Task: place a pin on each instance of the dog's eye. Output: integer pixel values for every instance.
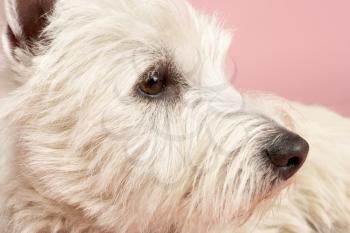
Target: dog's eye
(153, 84)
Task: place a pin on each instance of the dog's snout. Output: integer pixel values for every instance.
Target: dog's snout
(288, 153)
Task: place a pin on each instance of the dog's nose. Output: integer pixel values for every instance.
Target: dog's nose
(288, 153)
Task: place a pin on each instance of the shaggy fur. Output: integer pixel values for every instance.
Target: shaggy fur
(83, 152)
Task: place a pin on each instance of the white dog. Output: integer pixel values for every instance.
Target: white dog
(123, 121)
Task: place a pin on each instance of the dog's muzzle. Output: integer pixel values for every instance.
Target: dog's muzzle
(287, 154)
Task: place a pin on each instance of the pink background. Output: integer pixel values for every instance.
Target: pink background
(299, 49)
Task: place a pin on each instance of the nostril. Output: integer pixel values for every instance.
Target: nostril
(281, 160)
(293, 162)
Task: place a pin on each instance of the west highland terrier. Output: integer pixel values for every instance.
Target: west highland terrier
(123, 120)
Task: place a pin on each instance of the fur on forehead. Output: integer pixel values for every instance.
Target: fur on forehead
(117, 29)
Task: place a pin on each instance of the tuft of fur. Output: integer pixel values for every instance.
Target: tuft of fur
(82, 153)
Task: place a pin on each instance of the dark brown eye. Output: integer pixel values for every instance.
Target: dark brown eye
(153, 84)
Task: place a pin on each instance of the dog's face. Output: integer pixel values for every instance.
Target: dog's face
(127, 114)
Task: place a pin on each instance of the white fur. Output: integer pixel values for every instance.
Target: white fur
(82, 154)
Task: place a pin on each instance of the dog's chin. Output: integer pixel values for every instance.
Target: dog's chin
(261, 204)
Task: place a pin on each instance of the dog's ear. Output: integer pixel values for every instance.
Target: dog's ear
(26, 20)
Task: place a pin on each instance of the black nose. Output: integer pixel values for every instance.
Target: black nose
(288, 153)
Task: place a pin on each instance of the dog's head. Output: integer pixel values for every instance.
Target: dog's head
(126, 112)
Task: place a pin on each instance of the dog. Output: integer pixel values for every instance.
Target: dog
(122, 119)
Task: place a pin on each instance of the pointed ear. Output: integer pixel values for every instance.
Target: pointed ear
(26, 20)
